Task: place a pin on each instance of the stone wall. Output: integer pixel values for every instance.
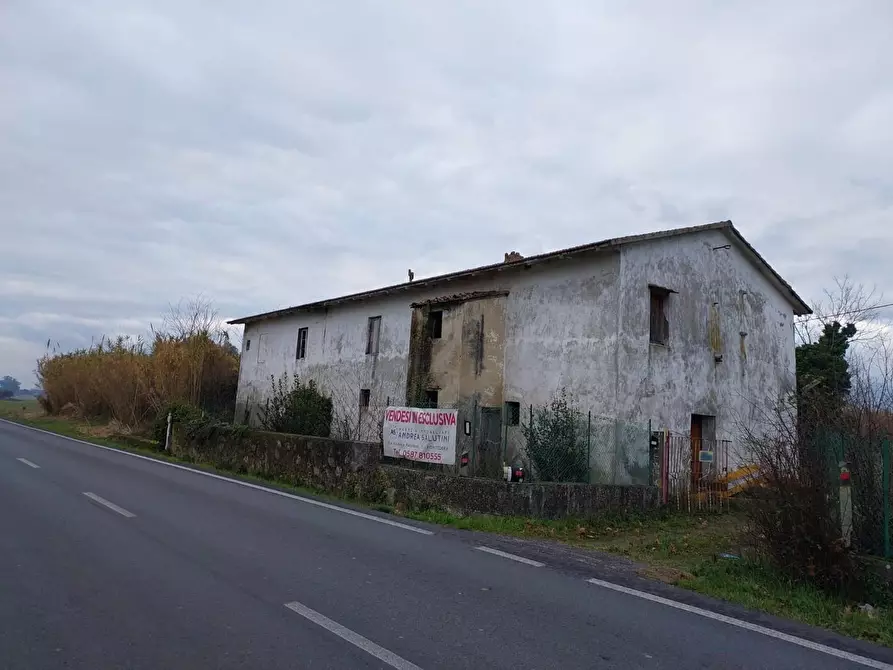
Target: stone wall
(335, 466)
(469, 495)
(354, 470)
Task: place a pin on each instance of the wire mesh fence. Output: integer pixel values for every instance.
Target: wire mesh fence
(564, 444)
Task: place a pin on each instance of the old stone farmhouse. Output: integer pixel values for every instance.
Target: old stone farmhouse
(687, 330)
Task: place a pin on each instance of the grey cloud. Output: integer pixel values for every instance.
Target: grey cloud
(267, 154)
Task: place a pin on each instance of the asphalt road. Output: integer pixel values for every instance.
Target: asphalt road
(163, 567)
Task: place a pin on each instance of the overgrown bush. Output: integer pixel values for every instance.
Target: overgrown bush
(795, 515)
(181, 413)
(205, 427)
(839, 416)
(557, 441)
(297, 408)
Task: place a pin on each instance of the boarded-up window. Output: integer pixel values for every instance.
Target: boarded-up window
(372, 334)
(301, 351)
(660, 323)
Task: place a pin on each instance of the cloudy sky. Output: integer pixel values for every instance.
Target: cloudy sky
(270, 153)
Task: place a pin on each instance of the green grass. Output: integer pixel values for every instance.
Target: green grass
(659, 538)
(687, 550)
(759, 587)
(676, 548)
(19, 408)
(81, 430)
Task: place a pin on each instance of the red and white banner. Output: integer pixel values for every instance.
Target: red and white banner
(417, 434)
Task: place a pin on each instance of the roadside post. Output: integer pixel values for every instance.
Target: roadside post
(846, 507)
(167, 434)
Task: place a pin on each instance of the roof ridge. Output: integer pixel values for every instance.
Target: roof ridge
(527, 262)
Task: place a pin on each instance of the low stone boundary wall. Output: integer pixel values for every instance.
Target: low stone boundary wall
(354, 469)
(336, 466)
(546, 500)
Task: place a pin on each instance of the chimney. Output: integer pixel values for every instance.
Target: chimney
(513, 256)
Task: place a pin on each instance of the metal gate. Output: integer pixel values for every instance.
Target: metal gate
(695, 473)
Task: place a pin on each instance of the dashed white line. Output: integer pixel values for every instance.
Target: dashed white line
(355, 639)
(28, 463)
(309, 501)
(505, 554)
(762, 630)
(112, 506)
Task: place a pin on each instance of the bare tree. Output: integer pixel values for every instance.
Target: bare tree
(193, 316)
(796, 517)
(847, 302)
(359, 398)
(792, 519)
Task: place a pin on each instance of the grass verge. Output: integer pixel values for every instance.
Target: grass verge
(701, 553)
(686, 550)
(99, 434)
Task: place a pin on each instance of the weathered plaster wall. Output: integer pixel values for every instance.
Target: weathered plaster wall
(581, 324)
(466, 366)
(336, 357)
(561, 332)
(716, 284)
(561, 329)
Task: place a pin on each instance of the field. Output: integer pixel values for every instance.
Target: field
(27, 408)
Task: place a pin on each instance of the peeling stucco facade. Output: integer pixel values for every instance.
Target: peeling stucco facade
(581, 323)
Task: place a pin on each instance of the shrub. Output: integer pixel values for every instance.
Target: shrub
(44, 402)
(297, 408)
(203, 428)
(181, 413)
(556, 441)
(793, 517)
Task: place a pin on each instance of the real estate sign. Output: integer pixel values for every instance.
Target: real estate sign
(417, 434)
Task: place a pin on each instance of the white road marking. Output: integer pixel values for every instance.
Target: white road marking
(505, 554)
(309, 501)
(762, 630)
(112, 506)
(355, 639)
(28, 463)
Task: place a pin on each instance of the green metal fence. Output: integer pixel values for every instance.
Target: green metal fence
(858, 470)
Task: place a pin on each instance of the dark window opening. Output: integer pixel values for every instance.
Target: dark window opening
(301, 351)
(431, 398)
(435, 324)
(372, 334)
(512, 413)
(365, 397)
(247, 345)
(660, 324)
